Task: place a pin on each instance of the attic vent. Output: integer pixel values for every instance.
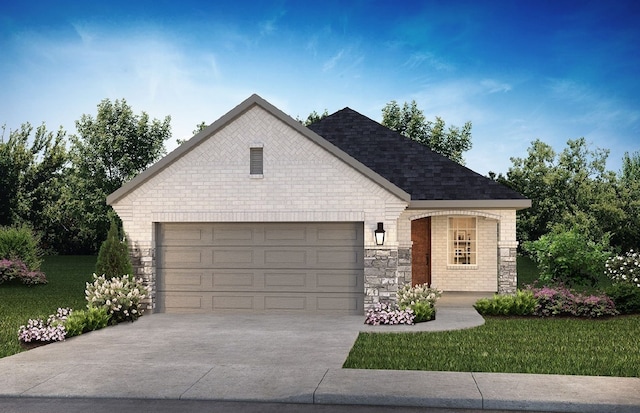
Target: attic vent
(255, 160)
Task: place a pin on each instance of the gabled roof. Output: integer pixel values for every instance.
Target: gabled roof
(405, 168)
(432, 180)
(253, 100)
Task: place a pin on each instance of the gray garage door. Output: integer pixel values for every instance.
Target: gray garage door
(261, 267)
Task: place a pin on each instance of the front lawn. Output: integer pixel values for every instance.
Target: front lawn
(510, 345)
(67, 276)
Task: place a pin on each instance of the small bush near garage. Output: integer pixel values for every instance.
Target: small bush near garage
(420, 299)
(38, 330)
(121, 296)
(83, 321)
(113, 258)
(388, 314)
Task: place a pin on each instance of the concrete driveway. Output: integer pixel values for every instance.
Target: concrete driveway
(225, 357)
(283, 359)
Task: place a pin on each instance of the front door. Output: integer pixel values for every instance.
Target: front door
(421, 251)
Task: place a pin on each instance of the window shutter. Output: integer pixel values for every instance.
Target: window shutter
(255, 161)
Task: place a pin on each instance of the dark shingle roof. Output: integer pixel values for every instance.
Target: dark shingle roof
(409, 165)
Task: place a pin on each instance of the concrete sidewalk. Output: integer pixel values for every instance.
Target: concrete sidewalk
(284, 359)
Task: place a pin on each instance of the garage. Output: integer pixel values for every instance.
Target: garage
(260, 267)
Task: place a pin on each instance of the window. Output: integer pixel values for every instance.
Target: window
(255, 161)
(462, 241)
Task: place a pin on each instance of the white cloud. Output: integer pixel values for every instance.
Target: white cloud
(331, 63)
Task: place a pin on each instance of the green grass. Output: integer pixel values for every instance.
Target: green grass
(67, 276)
(510, 345)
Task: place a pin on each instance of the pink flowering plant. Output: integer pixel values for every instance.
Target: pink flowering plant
(624, 268)
(45, 331)
(383, 313)
(562, 301)
(15, 269)
(120, 296)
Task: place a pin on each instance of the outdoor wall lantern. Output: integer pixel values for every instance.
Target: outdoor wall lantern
(379, 233)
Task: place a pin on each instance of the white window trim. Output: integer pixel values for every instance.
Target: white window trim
(450, 242)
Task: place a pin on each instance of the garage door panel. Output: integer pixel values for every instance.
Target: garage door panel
(180, 257)
(184, 280)
(241, 257)
(233, 302)
(261, 267)
(233, 280)
(339, 281)
(279, 280)
(282, 234)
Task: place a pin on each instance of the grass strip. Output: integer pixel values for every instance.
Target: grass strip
(67, 276)
(510, 345)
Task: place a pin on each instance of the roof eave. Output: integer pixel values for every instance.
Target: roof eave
(516, 204)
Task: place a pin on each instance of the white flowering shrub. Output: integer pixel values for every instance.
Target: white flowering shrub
(120, 296)
(388, 314)
(45, 331)
(420, 299)
(624, 268)
(408, 295)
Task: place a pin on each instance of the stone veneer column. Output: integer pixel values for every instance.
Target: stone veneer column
(404, 266)
(144, 264)
(380, 276)
(507, 269)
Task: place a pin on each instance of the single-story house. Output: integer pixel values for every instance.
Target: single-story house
(259, 213)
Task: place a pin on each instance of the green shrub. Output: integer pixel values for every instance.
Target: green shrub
(626, 296)
(113, 258)
(423, 311)
(21, 243)
(120, 296)
(522, 303)
(83, 321)
(569, 257)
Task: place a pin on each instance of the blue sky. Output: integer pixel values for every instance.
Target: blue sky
(518, 70)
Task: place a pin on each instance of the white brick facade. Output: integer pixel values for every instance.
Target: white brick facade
(208, 180)
(302, 182)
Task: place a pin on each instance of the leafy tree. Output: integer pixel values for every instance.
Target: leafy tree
(451, 142)
(569, 189)
(199, 128)
(107, 151)
(313, 117)
(32, 179)
(113, 258)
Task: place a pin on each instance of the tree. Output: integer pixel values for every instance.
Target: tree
(108, 151)
(572, 189)
(113, 258)
(313, 117)
(199, 128)
(410, 121)
(31, 180)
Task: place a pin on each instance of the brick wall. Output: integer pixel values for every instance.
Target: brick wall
(301, 182)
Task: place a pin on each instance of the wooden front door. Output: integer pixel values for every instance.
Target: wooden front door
(421, 251)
